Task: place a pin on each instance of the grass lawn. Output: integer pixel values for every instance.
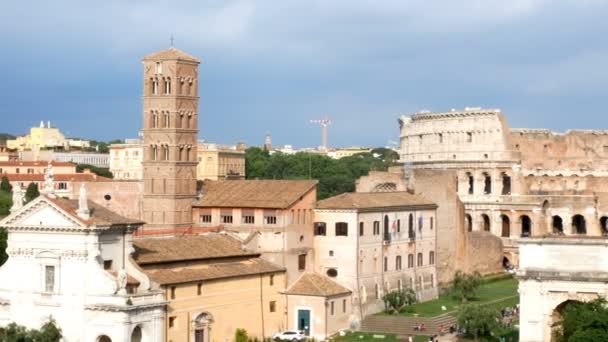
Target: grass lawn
(367, 337)
(487, 292)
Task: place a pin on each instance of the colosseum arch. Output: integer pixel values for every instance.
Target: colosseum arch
(468, 220)
(604, 225)
(579, 226)
(557, 224)
(136, 335)
(526, 225)
(506, 183)
(485, 223)
(506, 226)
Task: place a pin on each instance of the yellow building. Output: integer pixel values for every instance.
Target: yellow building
(213, 287)
(126, 159)
(44, 137)
(218, 162)
(347, 152)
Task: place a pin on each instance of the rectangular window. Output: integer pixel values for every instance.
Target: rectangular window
(341, 229)
(431, 223)
(49, 279)
(172, 320)
(226, 218)
(270, 219)
(320, 228)
(30, 171)
(331, 310)
(301, 262)
(385, 264)
(107, 264)
(469, 137)
(343, 305)
(17, 170)
(172, 292)
(398, 226)
(63, 186)
(205, 218)
(271, 280)
(361, 229)
(273, 306)
(249, 219)
(376, 227)
(199, 289)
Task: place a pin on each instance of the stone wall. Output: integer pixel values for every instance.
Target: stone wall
(121, 196)
(484, 253)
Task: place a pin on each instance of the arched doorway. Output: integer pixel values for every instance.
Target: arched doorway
(104, 338)
(201, 327)
(136, 334)
(506, 226)
(485, 222)
(506, 184)
(506, 263)
(579, 226)
(526, 226)
(558, 225)
(604, 225)
(468, 220)
(556, 318)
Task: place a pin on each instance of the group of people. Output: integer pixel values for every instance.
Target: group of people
(433, 338)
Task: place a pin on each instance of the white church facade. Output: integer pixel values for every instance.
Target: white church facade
(69, 260)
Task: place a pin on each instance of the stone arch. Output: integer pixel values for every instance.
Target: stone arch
(506, 226)
(471, 183)
(385, 187)
(506, 263)
(557, 225)
(579, 226)
(487, 183)
(201, 327)
(103, 338)
(604, 225)
(485, 222)
(506, 183)
(556, 317)
(136, 334)
(468, 221)
(526, 225)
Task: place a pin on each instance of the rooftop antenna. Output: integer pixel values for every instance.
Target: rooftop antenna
(324, 123)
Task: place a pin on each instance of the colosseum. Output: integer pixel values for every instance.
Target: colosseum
(513, 183)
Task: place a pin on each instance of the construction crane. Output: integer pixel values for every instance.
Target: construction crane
(324, 123)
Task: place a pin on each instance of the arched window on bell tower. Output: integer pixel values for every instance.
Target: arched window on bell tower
(153, 152)
(189, 121)
(167, 85)
(181, 153)
(188, 153)
(154, 119)
(165, 152)
(180, 122)
(167, 120)
(155, 86)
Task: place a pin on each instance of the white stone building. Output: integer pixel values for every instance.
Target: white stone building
(373, 243)
(126, 159)
(553, 272)
(69, 260)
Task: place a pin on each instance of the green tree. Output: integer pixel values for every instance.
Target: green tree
(583, 322)
(465, 285)
(32, 192)
(397, 301)
(5, 185)
(3, 245)
(6, 202)
(240, 335)
(17, 333)
(100, 171)
(478, 321)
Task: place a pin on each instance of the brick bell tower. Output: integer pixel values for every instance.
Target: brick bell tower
(170, 130)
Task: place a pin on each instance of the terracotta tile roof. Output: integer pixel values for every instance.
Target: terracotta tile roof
(187, 248)
(68, 177)
(34, 163)
(99, 215)
(171, 54)
(251, 266)
(314, 284)
(272, 194)
(374, 200)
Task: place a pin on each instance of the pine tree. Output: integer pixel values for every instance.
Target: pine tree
(5, 185)
(31, 192)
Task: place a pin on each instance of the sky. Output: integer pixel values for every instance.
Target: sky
(272, 66)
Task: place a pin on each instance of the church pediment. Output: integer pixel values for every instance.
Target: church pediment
(41, 213)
